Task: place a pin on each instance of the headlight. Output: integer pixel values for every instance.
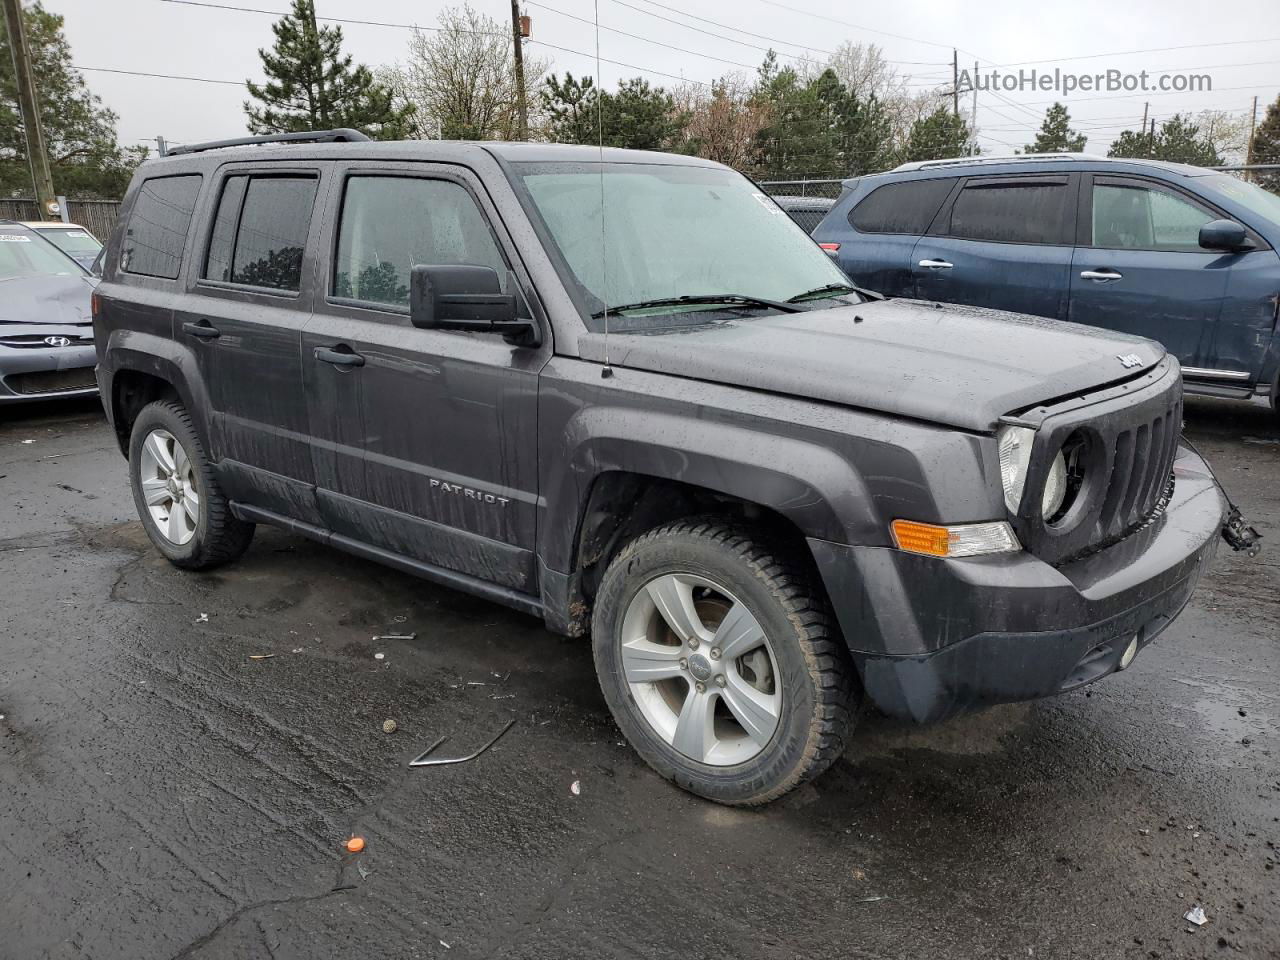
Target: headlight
(1015, 457)
(1055, 487)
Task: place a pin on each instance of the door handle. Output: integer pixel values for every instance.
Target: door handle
(204, 330)
(339, 358)
(1101, 275)
(935, 264)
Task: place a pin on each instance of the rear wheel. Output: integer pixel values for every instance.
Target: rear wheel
(178, 498)
(719, 663)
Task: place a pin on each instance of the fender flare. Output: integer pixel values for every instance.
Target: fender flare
(159, 357)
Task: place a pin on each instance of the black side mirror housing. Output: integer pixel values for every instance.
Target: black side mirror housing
(467, 297)
(1225, 235)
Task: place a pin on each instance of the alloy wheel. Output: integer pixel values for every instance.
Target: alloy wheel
(168, 484)
(701, 670)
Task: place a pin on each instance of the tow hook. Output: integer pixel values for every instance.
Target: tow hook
(1240, 535)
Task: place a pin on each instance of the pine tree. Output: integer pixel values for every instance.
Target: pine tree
(1177, 141)
(312, 85)
(1266, 147)
(637, 116)
(938, 136)
(1056, 135)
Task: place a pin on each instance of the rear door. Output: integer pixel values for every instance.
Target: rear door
(442, 467)
(880, 232)
(1139, 267)
(243, 319)
(1003, 242)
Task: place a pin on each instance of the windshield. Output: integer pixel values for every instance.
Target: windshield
(24, 255)
(72, 241)
(673, 231)
(1259, 201)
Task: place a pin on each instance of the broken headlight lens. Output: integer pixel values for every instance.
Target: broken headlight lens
(1015, 458)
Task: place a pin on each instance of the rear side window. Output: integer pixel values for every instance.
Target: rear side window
(260, 231)
(391, 224)
(1011, 211)
(907, 207)
(158, 226)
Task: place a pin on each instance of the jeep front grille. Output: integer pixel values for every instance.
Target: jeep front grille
(1125, 439)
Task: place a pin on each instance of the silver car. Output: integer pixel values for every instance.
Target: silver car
(46, 323)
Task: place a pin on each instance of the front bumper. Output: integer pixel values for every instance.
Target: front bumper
(28, 373)
(934, 637)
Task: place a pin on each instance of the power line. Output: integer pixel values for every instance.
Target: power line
(409, 26)
(635, 36)
(720, 36)
(1126, 53)
(858, 26)
(159, 76)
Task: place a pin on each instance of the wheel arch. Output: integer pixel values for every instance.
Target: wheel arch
(146, 371)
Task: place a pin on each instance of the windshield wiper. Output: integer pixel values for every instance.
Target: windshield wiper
(710, 299)
(834, 289)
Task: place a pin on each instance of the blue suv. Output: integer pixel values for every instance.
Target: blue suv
(1180, 254)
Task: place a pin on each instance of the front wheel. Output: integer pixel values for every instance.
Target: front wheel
(719, 663)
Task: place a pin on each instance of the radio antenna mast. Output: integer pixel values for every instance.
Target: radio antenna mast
(604, 255)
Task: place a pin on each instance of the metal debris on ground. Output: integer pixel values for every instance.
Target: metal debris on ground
(297, 649)
(870, 899)
(576, 787)
(423, 760)
(1196, 915)
(396, 636)
(203, 618)
(389, 726)
(365, 873)
(261, 656)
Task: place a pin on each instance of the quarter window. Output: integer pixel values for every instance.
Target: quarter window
(908, 207)
(1132, 217)
(260, 231)
(1005, 211)
(158, 226)
(391, 224)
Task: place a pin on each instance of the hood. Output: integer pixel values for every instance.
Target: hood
(956, 365)
(45, 300)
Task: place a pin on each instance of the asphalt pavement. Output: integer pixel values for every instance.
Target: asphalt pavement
(164, 794)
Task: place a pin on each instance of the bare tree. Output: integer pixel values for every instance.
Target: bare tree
(724, 120)
(1228, 134)
(461, 79)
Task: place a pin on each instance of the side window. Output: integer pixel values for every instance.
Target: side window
(391, 224)
(260, 231)
(1134, 217)
(907, 207)
(158, 226)
(1011, 211)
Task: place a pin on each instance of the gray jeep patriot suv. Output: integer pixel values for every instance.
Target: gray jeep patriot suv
(624, 392)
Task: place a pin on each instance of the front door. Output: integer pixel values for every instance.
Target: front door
(1139, 267)
(442, 467)
(1003, 242)
(249, 301)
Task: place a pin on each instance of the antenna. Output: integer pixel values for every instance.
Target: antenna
(607, 372)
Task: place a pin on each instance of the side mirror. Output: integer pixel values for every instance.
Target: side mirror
(1224, 235)
(466, 297)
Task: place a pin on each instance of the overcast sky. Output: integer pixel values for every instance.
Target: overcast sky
(158, 36)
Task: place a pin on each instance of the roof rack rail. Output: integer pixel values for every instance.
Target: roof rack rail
(341, 135)
(995, 158)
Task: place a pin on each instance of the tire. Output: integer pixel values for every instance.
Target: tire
(195, 538)
(714, 740)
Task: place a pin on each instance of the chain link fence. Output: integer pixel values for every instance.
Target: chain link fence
(96, 216)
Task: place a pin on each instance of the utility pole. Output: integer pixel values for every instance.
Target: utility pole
(1253, 123)
(29, 105)
(973, 121)
(517, 39)
(955, 83)
(1146, 108)
(162, 147)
